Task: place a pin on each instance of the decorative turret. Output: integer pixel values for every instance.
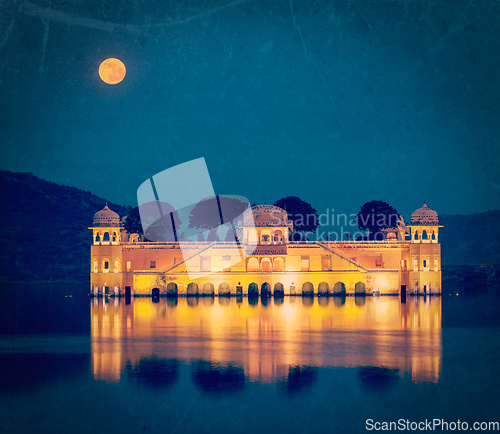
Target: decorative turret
(424, 225)
(425, 252)
(110, 222)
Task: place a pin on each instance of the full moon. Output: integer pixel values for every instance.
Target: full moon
(112, 71)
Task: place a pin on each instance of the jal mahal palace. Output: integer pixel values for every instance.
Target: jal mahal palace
(407, 261)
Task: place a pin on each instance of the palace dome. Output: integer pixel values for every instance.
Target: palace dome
(268, 215)
(424, 216)
(106, 217)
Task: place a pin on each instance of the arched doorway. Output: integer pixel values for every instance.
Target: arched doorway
(308, 289)
(265, 290)
(323, 288)
(155, 292)
(278, 290)
(253, 290)
(359, 288)
(224, 289)
(172, 289)
(192, 289)
(208, 289)
(339, 288)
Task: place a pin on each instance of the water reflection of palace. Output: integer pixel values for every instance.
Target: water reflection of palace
(267, 340)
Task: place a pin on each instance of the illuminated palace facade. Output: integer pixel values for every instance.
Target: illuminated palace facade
(408, 260)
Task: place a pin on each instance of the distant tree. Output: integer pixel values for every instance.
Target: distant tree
(303, 215)
(159, 229)
(132, 223)
(375, 216)
(206, 215)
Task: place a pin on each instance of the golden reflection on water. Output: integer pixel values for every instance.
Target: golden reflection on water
(268, 338)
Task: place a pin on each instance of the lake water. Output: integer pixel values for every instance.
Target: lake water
(295, 365)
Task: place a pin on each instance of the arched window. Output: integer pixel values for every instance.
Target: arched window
(415, 237)
(114, 236)
(253, 264)
(97, 237)
(279, 264)
(105, 236)
(339, 288)
(433, 235)
(359, 288)
(265, 237)
(265, 265)
(105, 266)
(424, 235)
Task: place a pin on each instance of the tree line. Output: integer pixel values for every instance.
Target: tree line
(163, 221)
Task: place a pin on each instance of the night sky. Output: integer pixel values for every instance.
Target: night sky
(337, 102)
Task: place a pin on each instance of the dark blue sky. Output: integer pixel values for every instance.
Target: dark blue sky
(337, 102)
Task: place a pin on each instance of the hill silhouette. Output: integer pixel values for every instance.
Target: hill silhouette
(45, 232)
(472, 239)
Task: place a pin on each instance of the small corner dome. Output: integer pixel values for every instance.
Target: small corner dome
(424, 216)
(106, 217)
